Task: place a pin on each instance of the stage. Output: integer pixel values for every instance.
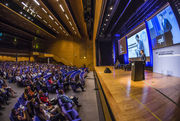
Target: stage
(157, 98)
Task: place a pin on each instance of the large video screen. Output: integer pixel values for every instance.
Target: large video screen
(138, 42)
(164, 29)
(122, 46)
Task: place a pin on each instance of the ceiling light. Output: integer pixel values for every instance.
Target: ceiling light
(51, 17)
(108, 14)
(24, 4)
(106, 19)
(67, 16)
(56, 23)
(6, 4)
(111, 8)
(104, 24)
(45, 21)
(44, 10)
(57, 0)
(36, 2)
(32, 10)
(61, 7)
(39, 16)
(70, 23)
(20, 12)
(73, 28)
(29, 18)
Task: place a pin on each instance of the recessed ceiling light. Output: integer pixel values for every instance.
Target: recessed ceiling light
(104, 24)
(70, 23)
(36, 2)
(56, 23)
(32, 10)
(108, 14)
(6, 4)
(45, 21)
(20, 12)
(61, 7)
(111, 8)
(39, 16)
(24, 4)
(51, 17)
(44, 10)
(67, 16)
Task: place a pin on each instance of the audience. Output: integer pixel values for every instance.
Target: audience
(39, 79)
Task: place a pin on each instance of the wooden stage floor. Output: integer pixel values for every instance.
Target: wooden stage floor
(155, 99)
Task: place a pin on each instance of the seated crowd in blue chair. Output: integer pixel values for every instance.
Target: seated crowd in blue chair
(5, 93)
(38, 80)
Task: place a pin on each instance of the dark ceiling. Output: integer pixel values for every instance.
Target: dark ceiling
(121, 16)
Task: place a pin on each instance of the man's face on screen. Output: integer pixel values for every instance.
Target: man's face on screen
(137, 39)
(161, 18)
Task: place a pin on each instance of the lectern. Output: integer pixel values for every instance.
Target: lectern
(137, 70)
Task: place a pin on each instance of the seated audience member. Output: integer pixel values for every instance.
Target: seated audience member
(44, 98)
(19, 114)
(3, 96)
(9, 90)
(65, 99)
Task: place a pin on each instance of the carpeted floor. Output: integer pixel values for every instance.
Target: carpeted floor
(88, 111)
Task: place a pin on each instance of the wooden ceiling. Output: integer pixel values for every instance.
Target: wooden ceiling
(66, 26)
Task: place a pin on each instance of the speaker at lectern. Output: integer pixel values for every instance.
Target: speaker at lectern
(137, 70)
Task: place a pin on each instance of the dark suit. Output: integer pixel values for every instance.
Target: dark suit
(143, 58)
(168, 37)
